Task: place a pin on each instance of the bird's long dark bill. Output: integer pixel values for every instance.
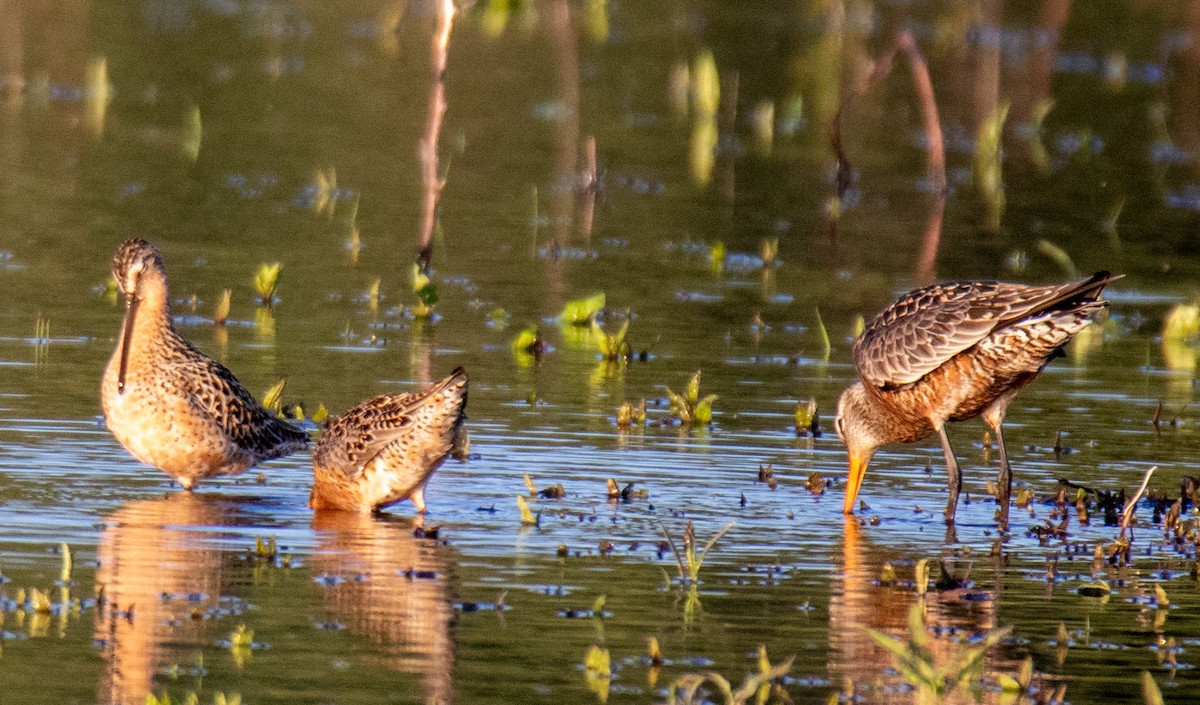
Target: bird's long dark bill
(858, 470)
(131, 304)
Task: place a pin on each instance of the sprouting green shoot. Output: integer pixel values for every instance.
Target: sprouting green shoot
(823, 336)
(716, 257)
(426, 291)
(598, 661)
(527, 517)
(935, 680)
(613, 347)
(598, 605)
(193, 133)
(67, 565)
(685, 690)
(689, 561)
(581, 312)
(922, 577)
(221, 312)
(266, 281)
(266, 549)
(273, 398)
(806, 417)
(628, 415)
(860, 325)
(529, 342)
(689, 408)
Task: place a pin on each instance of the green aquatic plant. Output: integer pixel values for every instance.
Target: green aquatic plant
(689, 561)
(273, 398)
(1182, 323)
(426, 291)
(685, 689)
(193, 133)
(597, 672)
(582, 312)
(934, 681)
(768, 251)
(688, 407)
(1151, 695)
(266, 281)
(807, 421)
(823, 336)
(716, 257)
(241, 642)
(614, 347)
(221, 312)
(629, 416)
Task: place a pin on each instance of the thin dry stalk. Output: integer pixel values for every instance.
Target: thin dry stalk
(1132, 504)
(428, 146)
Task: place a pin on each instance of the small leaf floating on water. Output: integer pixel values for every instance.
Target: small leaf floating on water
(581, 312)
(887, 575)
(1096, 588)
(922, 576)
(654, 652)
(816, 484)
(1160, 597)
(1151, 695)
(273, 398)
(530, 486)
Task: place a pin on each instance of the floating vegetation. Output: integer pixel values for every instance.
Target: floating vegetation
(689, 408)
(808, 423)
(555, 491)
(629, 416)
(582, 312)
(934, 681)
(266, 281)
(241, 642)
(1182, 323)
(221, 312)
(272, 399)
(529, 344)
(613, 348)
(988, 170)
(426, 291)
(625, 494)
(684, 690)
(768, 250)
(689, 562)
(816, 483)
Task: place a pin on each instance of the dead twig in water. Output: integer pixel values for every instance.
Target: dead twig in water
(1132, 504)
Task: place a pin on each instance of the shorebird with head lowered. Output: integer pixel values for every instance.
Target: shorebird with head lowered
(385, 449)
(171, 405)
(951, 352)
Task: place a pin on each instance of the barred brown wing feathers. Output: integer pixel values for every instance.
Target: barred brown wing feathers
(358, 435)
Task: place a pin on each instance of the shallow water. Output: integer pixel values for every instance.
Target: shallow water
(309, 108)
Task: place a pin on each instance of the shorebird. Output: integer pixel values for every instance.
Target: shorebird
(951, 352)
(169, 404)
(385, 449)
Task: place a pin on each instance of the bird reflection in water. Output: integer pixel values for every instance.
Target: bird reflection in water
(160, 574)
(391, 587)
(859, 602)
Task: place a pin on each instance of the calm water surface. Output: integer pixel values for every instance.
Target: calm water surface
(234, 133)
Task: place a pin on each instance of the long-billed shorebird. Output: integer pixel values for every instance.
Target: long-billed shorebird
(169, 404)
(951, 352)
(385, 449)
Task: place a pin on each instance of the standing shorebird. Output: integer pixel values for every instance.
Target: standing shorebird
(170, 405)
(951, 352)
(385, 449)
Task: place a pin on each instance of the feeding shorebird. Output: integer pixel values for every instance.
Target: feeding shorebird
(171, 405)
(385, 449)
(951, 352)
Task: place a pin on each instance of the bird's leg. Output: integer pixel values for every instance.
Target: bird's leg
(418, 499)
(954, 475)
(994, 418)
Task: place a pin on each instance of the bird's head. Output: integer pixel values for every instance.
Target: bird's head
(132, 261)
(859, 435)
